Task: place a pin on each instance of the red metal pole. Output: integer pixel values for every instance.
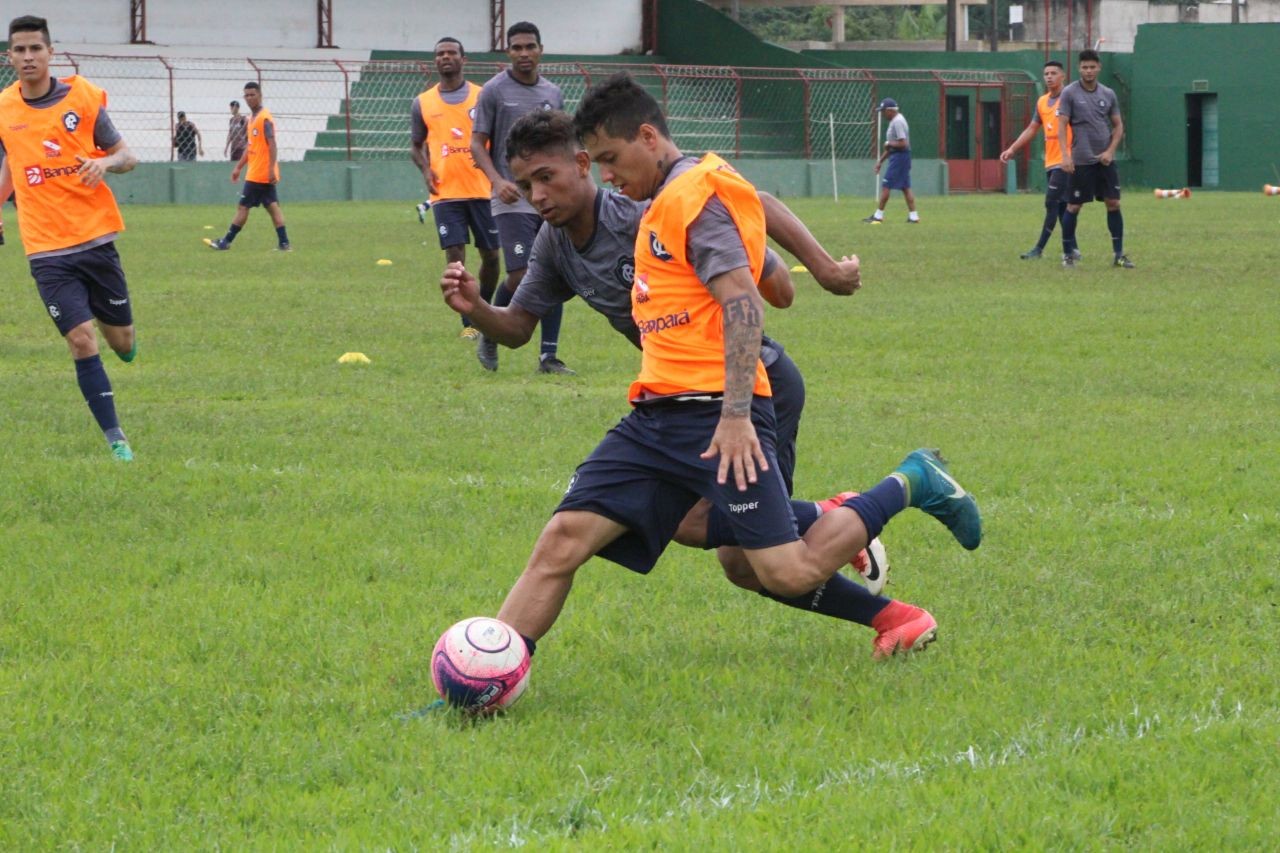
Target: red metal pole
(169, 68)
(808, 119)
(1070, 5)
(1048, 15)
(346, 100)
(737, 125)
(1088, 23)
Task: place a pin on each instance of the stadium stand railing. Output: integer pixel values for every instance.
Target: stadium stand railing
(359, 110)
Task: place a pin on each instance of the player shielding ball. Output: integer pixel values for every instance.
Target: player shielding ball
(58, 136)
(1057, 181)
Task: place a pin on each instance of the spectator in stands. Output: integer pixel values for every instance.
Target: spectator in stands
(63, 143)
(897, 148)
(263, 160)
(186, 138)
(506, 98)
(440, 121)
(237, 134)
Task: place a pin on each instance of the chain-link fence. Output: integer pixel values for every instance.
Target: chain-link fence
(359, 110)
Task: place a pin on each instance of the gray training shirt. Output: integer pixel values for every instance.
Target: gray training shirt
(1089, 114)
(503, 101)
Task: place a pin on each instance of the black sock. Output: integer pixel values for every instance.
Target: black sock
(532, 644)
(282, 235)
(839, 598)
(551, 330)
(1069, 231)
(96, 388)
(486, 292)
(232, 231)
(1115, 224)
(1062, 211)
(1046, 230)
(878, 504)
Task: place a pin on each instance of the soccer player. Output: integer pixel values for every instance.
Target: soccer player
(263, 175)
(440, 126)
(897, 148)
(510, 94)
(702, 423)
(237, 134)
(1056, 180)
(586, 247)
(1090, 113)
(58, 133)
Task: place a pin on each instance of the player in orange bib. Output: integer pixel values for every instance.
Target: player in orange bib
(702, 420)
(57, 137)
(440, 122)
(262, 158)
(1056, 180)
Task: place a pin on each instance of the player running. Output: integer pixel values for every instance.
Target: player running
(58, 134)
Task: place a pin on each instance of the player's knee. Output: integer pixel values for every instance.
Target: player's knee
(737, 570)
(82, 341)
(560, 549)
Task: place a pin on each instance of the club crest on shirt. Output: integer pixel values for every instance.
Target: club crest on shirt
(625, 271)
(658, 250)
(71, 120)
(546, 105)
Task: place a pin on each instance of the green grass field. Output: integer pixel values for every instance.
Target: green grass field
(221, 645)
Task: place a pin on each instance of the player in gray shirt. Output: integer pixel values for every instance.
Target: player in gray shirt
(586, 248)
(1092, 112)
(504, 100)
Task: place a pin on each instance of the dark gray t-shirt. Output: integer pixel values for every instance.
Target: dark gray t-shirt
(601, 272)
(503, 101)
(417, 127)
(104, 130)
(1089, 114)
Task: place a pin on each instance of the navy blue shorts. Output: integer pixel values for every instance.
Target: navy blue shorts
(517, 231)
(255, 194)
(898, 174)
(82, 286)
(788, 404)
(1057, 186)
(455, 218)
(646, 474)
(1094, 182)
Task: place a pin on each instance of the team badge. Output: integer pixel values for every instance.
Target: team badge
(625, 271)
(54, 311)
(659, 251)
(546, 105)
(70, 120)
(444, 230)
(35, 175)
(518, 250)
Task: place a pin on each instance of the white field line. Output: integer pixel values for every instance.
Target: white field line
(705, 796)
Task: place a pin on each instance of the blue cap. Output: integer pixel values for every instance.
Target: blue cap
(887, 104)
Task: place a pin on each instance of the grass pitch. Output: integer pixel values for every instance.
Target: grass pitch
(222, 644)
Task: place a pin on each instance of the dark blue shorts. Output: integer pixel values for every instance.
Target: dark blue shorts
(1094, 182)
(788, 404)
(517, 231)
(82, 286)
(646, 474)
(1057, 186)
(254, 194)
(455, 218)
(897, 176)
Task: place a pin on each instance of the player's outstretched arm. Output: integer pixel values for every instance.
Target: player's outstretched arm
(1023, 138)
(511, 326)
(789, 232)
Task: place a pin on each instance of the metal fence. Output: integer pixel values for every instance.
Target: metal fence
(342, 109)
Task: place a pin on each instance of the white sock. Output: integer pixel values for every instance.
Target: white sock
(913, 216)
(879, 214)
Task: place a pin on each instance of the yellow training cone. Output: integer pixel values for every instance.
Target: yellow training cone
(353, 358)
(384, 262)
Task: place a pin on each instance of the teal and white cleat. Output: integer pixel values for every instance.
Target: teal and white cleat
(121, 451)
(931, 488)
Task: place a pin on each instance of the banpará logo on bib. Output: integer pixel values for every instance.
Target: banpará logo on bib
(70, 120)
(35, 175)
(655, 246)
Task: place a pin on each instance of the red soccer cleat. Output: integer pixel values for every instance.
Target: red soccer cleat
(900, 627)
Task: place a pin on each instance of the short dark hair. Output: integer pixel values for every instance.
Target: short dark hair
(619, 106)
(1053, 63)
(523, 28)
(30, 24)
(181, 114)
(235, 103)
(253, 84)
(1090, 56)
(461, 50)
(542, 130)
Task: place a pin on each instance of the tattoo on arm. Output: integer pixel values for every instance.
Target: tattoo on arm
(742, 322)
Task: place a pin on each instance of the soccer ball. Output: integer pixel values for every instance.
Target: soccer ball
(480, 665)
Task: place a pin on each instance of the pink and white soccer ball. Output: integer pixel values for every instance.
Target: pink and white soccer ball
(480, 665)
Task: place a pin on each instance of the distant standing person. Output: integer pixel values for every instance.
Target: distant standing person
(440, 122)
(507, 97)
(58, 134)
(262, 158)
(237, 134)
(186, 138)
(1089, 133)
(897, 148)
(1057, 182)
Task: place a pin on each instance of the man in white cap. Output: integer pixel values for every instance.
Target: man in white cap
(897, 148)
